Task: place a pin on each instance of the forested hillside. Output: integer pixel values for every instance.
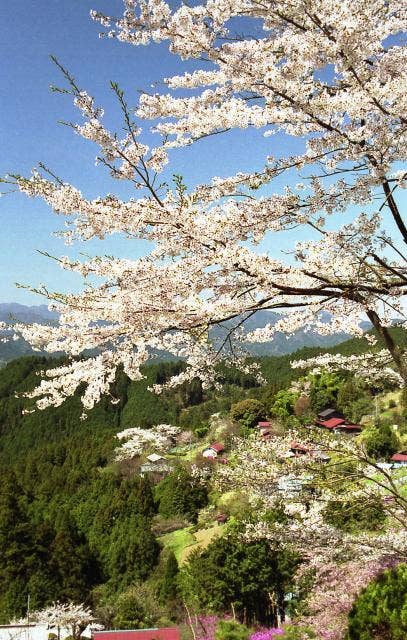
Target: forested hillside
(75, 524)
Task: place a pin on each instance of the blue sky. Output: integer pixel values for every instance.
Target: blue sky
(30, 133)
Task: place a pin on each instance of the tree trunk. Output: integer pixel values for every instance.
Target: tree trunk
(394, 350)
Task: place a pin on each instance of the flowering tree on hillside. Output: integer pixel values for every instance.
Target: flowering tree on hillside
(160, 437)
(330, 75)
(68, 615)
(293, 500)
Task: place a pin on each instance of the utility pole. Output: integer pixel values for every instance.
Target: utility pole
(28, 617)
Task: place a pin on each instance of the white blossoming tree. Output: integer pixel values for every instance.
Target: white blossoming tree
(331, 75)
(136, 441)
(67, 616)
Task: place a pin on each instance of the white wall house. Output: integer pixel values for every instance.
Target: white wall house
(36, 632)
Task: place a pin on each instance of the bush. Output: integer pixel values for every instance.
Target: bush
(231, 630)
(380, 611)
(380, 441)
(137, 608)
(248, 412)
(292, 632)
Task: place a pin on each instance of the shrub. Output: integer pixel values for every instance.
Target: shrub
(231, 630)
(380, 441)
(380, 611)
(248, 412)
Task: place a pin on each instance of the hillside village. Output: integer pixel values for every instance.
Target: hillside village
(144, 530)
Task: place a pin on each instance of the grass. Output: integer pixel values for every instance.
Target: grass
(182, 541)
(203, 538)
(178, 540)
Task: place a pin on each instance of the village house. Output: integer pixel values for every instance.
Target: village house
(399, 459)
(264, 428)
(37, 631)
(155, 463)
(336, 422)
(213, 450)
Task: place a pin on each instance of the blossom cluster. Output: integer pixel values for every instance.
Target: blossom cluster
(136, 441)
(333, 76)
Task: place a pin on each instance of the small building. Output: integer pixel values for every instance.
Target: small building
(339, 425)
(155, 457)
(399, 459)
(330, 423)
(326, 414)
(264, 428)
(166, 633)
(155, 463)
(348, 428)
(213, 450)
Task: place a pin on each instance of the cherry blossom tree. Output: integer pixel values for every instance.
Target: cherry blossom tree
(340, 562)
(160, 437)
(329, 74)
(68, 615)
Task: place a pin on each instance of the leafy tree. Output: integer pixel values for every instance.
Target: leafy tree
(137, 608)
(354, 515)
(354, 399)
(380, 611)
(283, 405)
(324, 390)
(380, 441)
(179, 494)
(248, 412)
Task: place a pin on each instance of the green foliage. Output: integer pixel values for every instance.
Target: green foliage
(381, 441)
(355, 515)
(380, 611)
(283, 406)
(354, 399)
(70, 524)
(231, 630)
(324, 390)
(137, 608)
(179, 494)
(292, 632)
(232, 574)
(168, 589)
(248, 412)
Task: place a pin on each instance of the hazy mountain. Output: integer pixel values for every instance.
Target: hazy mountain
(283, 344)
(13, 312)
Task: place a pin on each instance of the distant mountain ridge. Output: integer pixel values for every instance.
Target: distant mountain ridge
(11, 312)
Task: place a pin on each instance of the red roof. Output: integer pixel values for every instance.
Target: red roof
(264, 425)
(350, 426)
(217, 446)
(168, 633)
(331, 423)
(399, 457)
